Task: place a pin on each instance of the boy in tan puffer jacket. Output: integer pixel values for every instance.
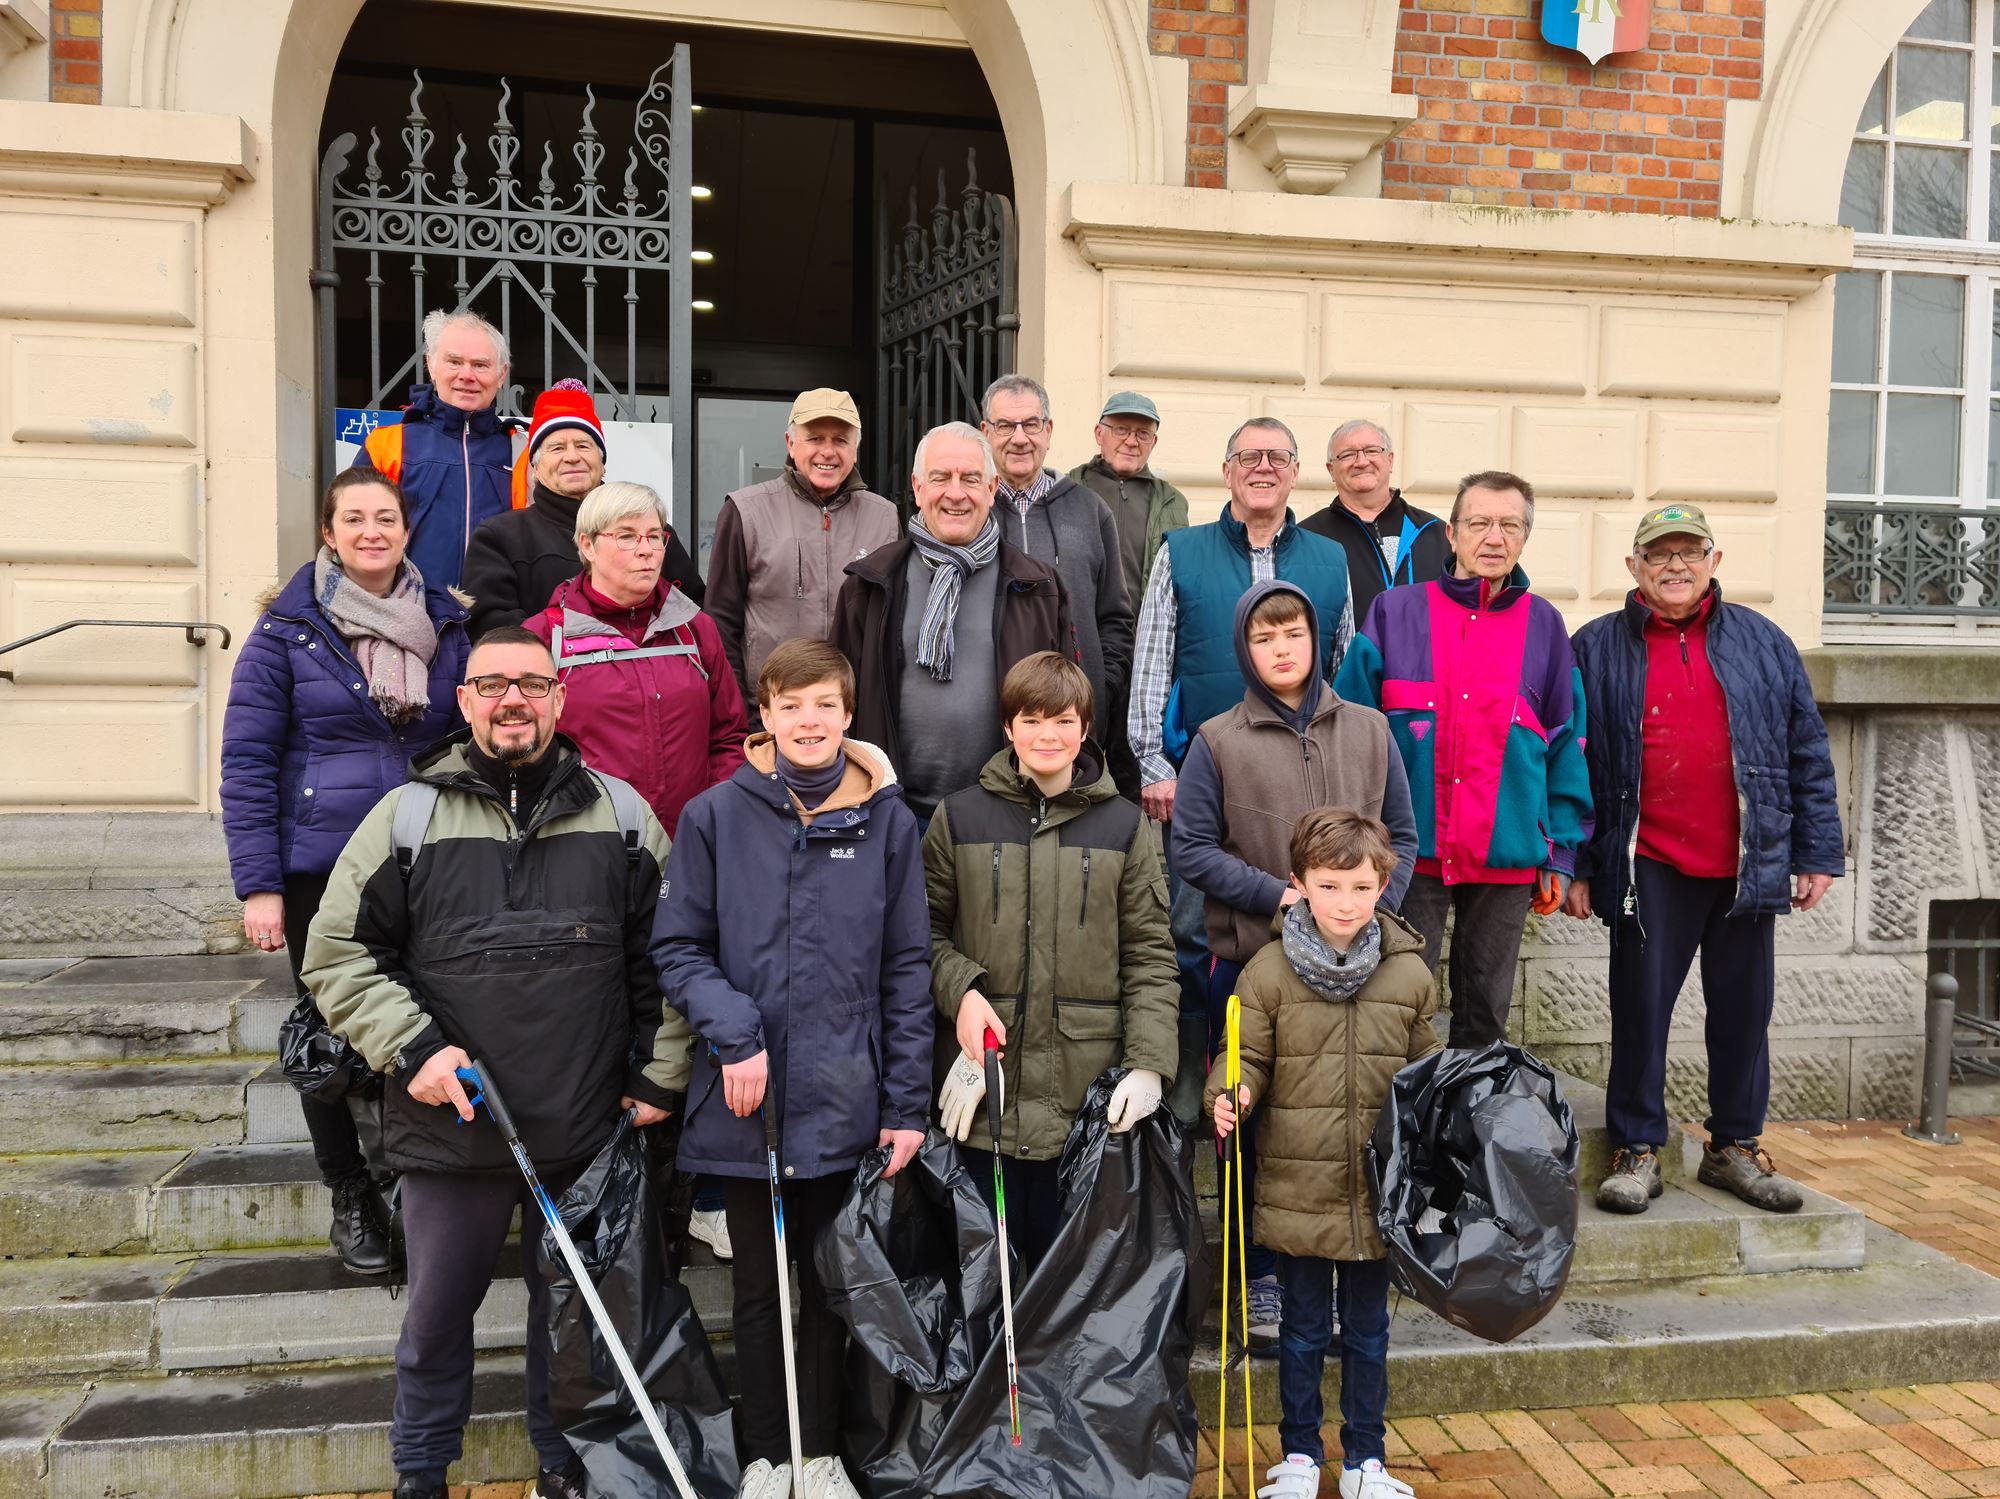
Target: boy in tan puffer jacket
(1331, 1011)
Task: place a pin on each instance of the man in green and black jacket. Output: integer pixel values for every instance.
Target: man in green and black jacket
(1049, 924)
(512, 929)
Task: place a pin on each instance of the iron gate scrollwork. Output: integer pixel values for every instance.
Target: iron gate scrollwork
(496, 245)
(947, 316)
(1911, 559)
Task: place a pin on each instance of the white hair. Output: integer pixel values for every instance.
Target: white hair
(964, 431)
(437, 320)
(608, 504)
(1013, 385)
(1348, 429)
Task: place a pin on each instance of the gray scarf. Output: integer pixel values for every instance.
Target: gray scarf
(392, 637)
(1326, 972)
(950, 567)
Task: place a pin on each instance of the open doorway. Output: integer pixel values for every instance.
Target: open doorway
(809, 156)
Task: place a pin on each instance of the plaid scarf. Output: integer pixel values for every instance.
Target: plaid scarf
(1331, 975)
(950, 567)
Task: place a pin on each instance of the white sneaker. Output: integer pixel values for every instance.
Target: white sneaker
(712, 1228)
(762, 1481)
(1297, 1477)
(1373, 1481)
(827, 1479)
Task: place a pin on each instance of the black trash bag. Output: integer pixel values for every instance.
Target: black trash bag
(317, 1062)
(1473, 1166)
(612, 1213)
(1103, 1331)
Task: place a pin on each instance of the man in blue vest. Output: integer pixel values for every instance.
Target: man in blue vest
(1185, 672)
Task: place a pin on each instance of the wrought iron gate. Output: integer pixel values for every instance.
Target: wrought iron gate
(947, 314)
(483, 244)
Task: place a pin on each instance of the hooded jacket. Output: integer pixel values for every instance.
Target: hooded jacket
(519, 558)
(1422, 550)
(1318, 1074)
(522, 942)
(1784, 774)
(648, 696)
(775, 566)
(1055, 909)
(455, 469)
(1071, 530)
(1166, 510)
(1253, 772)
(306, 752)
(1487, 708)
(803, 935)
(1030, 613)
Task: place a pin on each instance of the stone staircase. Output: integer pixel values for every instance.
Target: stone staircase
(171, 1322)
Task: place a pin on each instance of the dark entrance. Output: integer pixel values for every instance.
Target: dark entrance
(806, 155)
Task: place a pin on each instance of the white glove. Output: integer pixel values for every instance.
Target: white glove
(958, 1099)
(1135, 1098)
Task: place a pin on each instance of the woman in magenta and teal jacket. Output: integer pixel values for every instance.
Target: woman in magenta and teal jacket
(1486, 707)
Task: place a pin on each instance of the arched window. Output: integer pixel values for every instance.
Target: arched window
(1914, 442)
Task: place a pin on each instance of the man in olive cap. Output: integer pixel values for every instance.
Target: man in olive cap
(781, 546)
(1716, 812)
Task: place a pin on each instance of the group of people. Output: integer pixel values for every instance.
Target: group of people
(1049, 767)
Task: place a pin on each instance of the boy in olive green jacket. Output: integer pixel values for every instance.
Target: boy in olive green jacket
(1048, 926)
(1331, 1011)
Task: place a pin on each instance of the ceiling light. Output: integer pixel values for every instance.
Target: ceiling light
(701, 257)
(694, 108)
(702, 304)
(698, 191)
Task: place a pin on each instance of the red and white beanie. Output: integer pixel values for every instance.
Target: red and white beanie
(567, 403)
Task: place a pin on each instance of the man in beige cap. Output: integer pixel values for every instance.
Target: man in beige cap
(781, 546)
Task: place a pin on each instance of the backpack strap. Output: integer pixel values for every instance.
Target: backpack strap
(412, 818)
(630, 810)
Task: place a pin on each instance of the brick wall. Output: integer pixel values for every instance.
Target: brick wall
(76, 51)
(1505, 118)
(1210, 35)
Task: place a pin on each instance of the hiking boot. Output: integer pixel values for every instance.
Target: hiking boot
(416, 1486)
(712, 1228)
(1297, 1477)
(1373, 1481)
(1743, 1168)
(1633, 1183)
(1267, 1306)
(762, 1481)
(827, 1479)
(358, 1235)
(566, 1482)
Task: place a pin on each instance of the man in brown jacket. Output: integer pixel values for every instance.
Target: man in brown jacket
(934, 622)
(779, 547)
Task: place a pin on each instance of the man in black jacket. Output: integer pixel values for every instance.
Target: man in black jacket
(1387, 540)
(515, 931)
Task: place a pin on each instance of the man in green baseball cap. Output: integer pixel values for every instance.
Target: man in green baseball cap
(1716, 812)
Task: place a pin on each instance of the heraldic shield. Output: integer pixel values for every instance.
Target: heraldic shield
(1597, 28)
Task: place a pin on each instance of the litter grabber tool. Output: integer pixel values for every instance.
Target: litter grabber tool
(484, 1092)
(784, 1301)
(1231, 1161)
(995, 1107)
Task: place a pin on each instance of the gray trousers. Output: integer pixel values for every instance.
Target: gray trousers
(1487, 921)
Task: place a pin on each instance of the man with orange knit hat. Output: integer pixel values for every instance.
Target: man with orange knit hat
(519, 557)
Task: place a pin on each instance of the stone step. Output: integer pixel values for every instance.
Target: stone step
(1692, 1231)
(1910, 1316)
(271, 1113)
(121, 1009)
(108, 1106)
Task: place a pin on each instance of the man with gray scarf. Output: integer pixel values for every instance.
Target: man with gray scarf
(927, 691)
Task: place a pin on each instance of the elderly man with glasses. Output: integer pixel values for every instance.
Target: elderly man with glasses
(1484, 705)
(1388, 540)
(1716, 812)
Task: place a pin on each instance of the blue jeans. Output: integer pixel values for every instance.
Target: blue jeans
(1363, 1304)
(1222, 976)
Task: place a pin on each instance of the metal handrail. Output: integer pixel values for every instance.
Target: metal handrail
(194, 629)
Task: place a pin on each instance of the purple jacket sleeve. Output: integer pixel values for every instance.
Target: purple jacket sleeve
(909, 1019)
(255, 726)
(1400, 817)
(1196, 831)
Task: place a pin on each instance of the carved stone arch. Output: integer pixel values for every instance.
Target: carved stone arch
(1812, 100)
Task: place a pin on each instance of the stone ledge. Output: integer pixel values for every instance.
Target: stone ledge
(150, 155)
(1930, 676)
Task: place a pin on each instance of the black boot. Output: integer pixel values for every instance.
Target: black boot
(416, 1486)
(358, 1235)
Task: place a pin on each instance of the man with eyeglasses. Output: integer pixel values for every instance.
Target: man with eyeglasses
(1388, 540)
(1056, 520)
(1716, 812)
(513, 930)
(1484, 704)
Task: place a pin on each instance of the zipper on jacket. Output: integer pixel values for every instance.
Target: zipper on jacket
(1353, 1019)
(1083, 907)
(996, 884)
(465, 467)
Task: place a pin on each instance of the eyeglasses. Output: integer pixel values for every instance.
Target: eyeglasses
(495, 685)
(1258, 457)
(631, 541)
(1512, 528)
(1033, 426)
(1140, 435)
(1348, 455)
(1692, 556)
